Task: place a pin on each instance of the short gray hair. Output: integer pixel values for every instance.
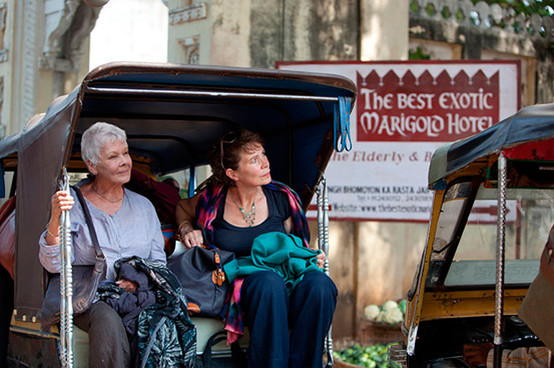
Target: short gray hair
(95, 137)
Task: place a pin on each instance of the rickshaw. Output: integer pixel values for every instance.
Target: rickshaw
(492, 211)
(172, 115)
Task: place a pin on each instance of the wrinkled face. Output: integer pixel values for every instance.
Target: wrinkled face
(114, 164)
(253, 168)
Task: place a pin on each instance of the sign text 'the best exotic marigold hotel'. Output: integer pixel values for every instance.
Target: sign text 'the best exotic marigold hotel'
(425, 108)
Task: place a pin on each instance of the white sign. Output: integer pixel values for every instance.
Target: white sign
(403, 112)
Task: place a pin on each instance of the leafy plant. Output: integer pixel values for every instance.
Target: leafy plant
(418, 54)
(375, 356)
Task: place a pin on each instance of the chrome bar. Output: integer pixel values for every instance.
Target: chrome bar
(323, 241)
(189, 93)
(500, 257)
(66, 285)
(63, 307)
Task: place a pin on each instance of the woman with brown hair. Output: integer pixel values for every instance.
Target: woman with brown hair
(240, 203)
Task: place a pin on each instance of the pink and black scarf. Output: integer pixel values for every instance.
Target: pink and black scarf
(209, 201)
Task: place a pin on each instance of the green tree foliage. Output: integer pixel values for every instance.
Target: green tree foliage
(418, 54)
(527, 7)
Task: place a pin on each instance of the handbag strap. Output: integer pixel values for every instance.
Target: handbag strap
(237, 355)
(88, 219)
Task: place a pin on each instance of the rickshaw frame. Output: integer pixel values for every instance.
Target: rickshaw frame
(469, 159)
(300, 115)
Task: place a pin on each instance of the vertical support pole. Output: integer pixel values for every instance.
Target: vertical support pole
(66, 285)
(500, 257)
(323, 241)
(63, 307)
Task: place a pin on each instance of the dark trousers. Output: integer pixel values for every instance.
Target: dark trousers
(108, 344)
(287, 330)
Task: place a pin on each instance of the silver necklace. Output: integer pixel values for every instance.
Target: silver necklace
(248, 216)
(117, 201)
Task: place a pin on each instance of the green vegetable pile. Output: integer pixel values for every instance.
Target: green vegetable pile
(375, 356)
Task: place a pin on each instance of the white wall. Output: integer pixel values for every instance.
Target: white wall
(384, 29)
(130, 30)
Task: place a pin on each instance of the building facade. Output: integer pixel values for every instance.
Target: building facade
(43, 53)
(370, 261)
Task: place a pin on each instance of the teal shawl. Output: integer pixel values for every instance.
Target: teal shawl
(278, 252)
(209, 201)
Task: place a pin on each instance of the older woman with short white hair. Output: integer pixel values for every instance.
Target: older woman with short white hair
(126, 225)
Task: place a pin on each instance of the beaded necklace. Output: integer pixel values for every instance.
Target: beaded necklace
(248, 216)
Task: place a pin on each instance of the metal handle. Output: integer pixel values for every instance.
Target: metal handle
(66, 284)
(323, 242)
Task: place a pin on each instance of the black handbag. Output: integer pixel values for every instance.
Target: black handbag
(86, 279)
(200, 273)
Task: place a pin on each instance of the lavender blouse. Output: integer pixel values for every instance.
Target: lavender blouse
(133, 231)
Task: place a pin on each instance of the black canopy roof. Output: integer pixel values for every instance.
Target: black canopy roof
(172, 115)
(532, 123)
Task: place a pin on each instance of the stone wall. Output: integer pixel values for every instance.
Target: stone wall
(481, 29)
(302, 30)
(370, 261)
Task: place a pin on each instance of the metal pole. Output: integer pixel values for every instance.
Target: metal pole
(66, 285)
(63, 307)
(323, 240)
(189, 93)
(500, 256)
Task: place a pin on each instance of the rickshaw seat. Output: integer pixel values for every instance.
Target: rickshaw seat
(80, 348)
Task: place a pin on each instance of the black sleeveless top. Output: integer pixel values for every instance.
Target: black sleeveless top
(239, 239)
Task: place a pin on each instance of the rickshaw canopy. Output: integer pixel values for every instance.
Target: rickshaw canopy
(172, 115)
(492, 209)
(530, 124)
